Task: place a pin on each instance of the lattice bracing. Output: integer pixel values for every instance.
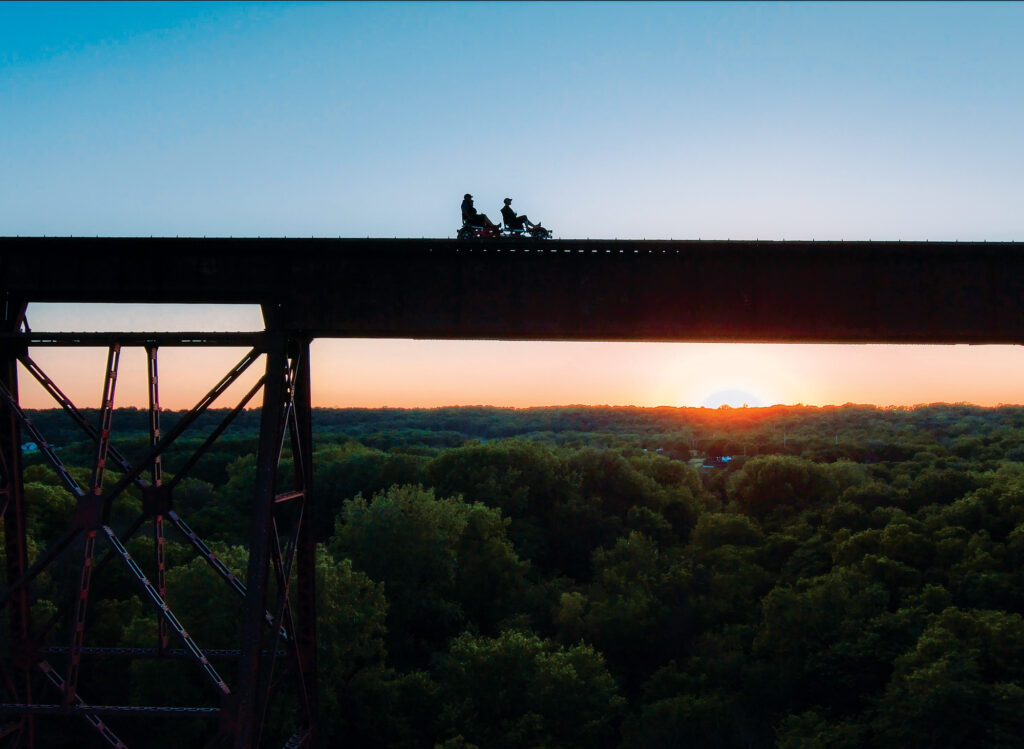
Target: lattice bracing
(49, 666)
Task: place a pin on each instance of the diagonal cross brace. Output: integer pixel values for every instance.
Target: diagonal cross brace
(165, 611)
(54, 678)
(132, 473)
(215, 562)
(44, 447)
(64, 402)
(285, 616)
(216, 433)
(51, 387)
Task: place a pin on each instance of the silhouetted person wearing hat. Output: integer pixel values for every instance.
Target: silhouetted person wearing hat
(472, 218)
(512, 221)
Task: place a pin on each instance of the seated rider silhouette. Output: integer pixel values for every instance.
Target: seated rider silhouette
(471, 217)
(512, 221)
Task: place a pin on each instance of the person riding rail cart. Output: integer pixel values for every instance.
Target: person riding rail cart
(478, 226)
(519, 224)
(476, 220)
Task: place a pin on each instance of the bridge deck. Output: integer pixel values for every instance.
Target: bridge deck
(926, 292)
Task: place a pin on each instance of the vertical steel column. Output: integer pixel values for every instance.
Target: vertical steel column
(81, 608)
(253, 663)
(163, 636)
(12, 314)
(93, 512)
(302, 452)
(106, 419)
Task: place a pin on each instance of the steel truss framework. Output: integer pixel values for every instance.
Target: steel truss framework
(275, 661)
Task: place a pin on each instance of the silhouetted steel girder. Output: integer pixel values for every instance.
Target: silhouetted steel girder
(157, 340)
(521, 289)
(287, 401)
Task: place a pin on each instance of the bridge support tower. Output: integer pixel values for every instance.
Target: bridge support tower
(259, 692)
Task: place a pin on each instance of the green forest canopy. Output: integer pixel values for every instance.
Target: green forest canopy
(573, 577)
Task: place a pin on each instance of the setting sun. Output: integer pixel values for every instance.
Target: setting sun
(733, 398)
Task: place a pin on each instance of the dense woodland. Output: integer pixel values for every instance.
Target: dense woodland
(576, 577)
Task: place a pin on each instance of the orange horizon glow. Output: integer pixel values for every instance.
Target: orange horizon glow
(428, 374)
(406, 373)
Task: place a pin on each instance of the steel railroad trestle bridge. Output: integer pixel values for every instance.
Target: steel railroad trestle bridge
(750, 291)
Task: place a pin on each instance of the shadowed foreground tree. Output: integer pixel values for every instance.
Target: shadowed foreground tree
(444, 565)
(959, 686)
(518, 690)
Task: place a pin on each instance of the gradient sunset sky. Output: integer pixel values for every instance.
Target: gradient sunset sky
(629, 120)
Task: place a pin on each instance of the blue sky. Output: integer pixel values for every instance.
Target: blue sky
(675, 120)
(602, 119)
